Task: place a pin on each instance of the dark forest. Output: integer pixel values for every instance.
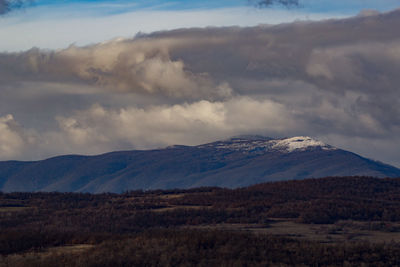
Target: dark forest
(336, 221)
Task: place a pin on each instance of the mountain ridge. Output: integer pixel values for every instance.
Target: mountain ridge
(236, 162)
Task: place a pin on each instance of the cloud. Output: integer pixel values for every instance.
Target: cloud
(159, 126)
(120, 65)
(286, 3)
(368, 69)
(336, 80)
(13, 139)
(9, 5)
(99, 129)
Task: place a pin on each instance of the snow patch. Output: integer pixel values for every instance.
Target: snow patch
(263, 145)
(300, 143)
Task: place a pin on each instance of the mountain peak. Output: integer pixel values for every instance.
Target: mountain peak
(249, 138)
(300, 143)
(262, 144)
(237, 162)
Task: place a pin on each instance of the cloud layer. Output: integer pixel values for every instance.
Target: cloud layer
(121, 66)
(336, 80)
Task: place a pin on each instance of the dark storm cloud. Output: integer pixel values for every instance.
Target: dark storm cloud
(9, 5)
(335, 79)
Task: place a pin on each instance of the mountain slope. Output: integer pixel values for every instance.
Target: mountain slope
(236, 162)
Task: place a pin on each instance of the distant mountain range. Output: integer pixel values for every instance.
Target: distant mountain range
(236, 162)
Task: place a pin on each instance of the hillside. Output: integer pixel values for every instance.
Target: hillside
(231, 163)
(337, 221)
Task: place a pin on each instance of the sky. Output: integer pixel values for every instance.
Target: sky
(88, 77)
(57, 24)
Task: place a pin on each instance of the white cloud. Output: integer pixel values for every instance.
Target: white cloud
(157, 126)
(13, 140)
(120, 65)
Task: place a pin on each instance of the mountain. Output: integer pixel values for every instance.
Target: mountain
(236, 162)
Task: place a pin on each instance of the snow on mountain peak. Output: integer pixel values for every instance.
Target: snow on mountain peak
(299, 143)
(259, 144)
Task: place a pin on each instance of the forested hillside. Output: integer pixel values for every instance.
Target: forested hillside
(331, 221)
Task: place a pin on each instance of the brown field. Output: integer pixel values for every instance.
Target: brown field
(37, 256)
(13, 209)
(342, 231)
